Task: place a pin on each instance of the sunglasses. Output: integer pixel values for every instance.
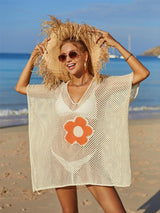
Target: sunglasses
(71, 54)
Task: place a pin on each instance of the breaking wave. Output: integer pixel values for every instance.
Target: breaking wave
(144, 108)
(11, 112)
(22, 112)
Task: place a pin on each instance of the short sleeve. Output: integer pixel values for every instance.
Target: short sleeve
(38, 90)
(134, 89)
(118, 89)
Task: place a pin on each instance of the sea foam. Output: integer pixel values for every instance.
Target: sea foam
(10, 112)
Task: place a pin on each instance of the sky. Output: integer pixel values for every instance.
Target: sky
(20, 21)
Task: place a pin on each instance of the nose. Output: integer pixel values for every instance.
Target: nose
(68, 59)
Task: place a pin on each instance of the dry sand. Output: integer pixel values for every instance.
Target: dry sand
(15, 182)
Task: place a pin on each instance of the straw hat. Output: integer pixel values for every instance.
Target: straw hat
(49, 66)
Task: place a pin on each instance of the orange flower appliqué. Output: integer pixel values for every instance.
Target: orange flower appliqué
(78, 131)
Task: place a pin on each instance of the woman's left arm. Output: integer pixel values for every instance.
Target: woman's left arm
(140, 72)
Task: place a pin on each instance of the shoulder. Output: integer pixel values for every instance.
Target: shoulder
(122, 79)
(40, 90)
(119, 77)
(36, 89)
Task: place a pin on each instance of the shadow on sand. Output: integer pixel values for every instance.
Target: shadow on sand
(152, 205)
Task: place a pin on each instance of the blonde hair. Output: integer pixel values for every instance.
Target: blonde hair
(84, 36)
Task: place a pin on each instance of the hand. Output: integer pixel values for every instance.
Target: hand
(40, 49)
(105, 37)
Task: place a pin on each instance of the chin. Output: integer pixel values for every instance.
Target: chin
(74, 72)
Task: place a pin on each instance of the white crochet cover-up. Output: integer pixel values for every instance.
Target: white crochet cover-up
(80, 143)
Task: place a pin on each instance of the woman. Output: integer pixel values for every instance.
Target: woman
(78, 120)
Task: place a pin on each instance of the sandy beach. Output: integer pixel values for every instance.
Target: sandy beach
(143, 196)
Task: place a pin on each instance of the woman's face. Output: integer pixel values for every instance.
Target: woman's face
(73, 63)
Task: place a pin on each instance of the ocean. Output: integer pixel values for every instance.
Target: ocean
(13, 106)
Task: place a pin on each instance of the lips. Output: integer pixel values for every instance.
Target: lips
(71, 66)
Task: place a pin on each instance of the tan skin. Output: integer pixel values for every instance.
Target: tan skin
(106, 196)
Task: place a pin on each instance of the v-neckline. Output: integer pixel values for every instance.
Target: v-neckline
(82, 97)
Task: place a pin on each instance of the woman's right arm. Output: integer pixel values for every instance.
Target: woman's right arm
(25, 76)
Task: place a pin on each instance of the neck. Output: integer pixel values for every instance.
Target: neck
(82, 80)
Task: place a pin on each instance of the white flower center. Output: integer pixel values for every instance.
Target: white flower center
(78, 131)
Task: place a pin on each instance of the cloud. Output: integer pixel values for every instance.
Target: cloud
(140, 18)
(139, 13)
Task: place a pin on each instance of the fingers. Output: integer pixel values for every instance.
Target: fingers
(41, 48)
(101, 37)
(101, 40)
(102, 43)
(104, 39)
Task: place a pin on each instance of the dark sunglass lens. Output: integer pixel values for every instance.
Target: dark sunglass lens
(62, 58)
(73, 54)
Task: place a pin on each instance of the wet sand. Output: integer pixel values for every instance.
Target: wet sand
(143, 196)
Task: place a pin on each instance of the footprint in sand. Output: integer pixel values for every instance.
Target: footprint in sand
(86, 202)
(1, 208)
(3, 190)
(23, 209)
(8, 205)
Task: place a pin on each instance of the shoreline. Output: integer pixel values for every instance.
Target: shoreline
(21, 120)
(148, 114)
(131, 121)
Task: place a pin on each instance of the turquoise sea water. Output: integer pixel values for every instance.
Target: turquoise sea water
(13, 106)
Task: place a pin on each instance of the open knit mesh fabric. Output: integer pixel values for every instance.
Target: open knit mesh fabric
(80, 143)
